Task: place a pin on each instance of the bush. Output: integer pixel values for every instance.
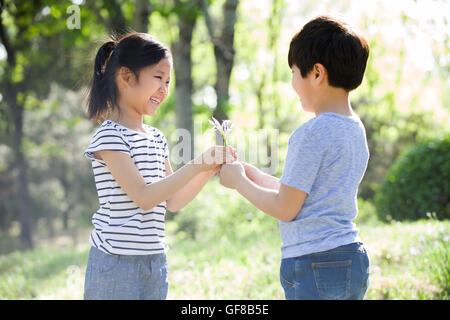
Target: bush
(417, 184)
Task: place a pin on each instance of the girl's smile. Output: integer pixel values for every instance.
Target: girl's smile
(155, 100)
(154, 79)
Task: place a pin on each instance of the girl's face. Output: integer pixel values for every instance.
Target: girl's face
(152, 88)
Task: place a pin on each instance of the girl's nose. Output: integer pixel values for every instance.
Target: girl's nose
(164, 89)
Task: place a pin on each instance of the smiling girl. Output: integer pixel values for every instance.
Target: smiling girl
(133, 176)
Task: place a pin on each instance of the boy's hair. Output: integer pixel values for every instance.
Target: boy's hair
(133, 50)
(333, 44)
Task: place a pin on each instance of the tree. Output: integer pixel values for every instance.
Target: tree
(114, 20)
(181, 50)
(142, 12)
(31, 34)
(224, 52)
(13, 87)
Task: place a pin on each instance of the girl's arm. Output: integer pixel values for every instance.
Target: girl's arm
(148, 196)
(189, 191)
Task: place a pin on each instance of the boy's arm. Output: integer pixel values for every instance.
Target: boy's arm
(283, 204)
(260, 178)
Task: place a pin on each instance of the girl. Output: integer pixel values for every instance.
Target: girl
(133, 176)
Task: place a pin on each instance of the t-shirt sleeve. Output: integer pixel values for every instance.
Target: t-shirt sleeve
(106, 139)
(303, 161)
(165, 146)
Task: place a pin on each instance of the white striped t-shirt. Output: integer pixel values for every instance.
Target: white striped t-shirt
(120, 225)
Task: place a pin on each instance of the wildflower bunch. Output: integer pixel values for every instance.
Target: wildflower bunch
(224, 129)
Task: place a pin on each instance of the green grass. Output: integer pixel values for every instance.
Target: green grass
(44, 273)
(229, 250)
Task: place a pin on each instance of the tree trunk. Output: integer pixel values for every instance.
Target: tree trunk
(181, 51)
(65, 213)
(22, 167)
(141, 15)
(117, 22)
(17, 109)
(224, 54)
(274, 23)
(224, 63)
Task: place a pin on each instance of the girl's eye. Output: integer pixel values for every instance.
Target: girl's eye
(158, 77)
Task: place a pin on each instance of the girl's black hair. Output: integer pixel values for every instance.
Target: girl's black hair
(133, 50)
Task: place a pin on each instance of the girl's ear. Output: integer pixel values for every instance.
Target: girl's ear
(126, 77)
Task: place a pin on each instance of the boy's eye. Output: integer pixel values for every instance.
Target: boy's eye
(158, 77)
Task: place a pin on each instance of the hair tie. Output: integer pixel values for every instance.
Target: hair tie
(107, 60)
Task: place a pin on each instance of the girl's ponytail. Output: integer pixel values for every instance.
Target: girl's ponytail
(132, 50)
(99, 99)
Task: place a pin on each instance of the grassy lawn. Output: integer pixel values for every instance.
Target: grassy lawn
(408, 261)
(230, 250)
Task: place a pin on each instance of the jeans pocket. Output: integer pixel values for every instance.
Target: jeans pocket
(287, 271)
(333, 279)
(284, 282)
(107, 263)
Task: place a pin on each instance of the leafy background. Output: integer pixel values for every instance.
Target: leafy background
(221, 247)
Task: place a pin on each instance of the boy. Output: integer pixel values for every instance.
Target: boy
(315, 200)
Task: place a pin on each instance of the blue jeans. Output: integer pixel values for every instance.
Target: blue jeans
(341, 273)
(125, 277)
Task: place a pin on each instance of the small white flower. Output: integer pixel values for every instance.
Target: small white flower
(414, 251)
(224, 129)
(227, 125)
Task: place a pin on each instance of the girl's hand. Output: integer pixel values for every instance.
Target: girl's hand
(217, 169)
(215, 156)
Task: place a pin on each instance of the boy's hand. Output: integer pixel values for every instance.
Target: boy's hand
(231, 174)
(251, 172)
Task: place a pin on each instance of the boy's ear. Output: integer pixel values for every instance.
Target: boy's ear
(319, 72)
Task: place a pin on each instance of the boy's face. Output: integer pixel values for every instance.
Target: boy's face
(304, 88)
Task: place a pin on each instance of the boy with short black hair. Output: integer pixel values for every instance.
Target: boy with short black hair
(315, 200)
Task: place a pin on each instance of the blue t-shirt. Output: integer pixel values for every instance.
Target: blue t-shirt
(327, 158)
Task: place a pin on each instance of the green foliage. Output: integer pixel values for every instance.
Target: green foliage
(219, 238)
(408, 260)
(367, 214)
(418, 183)
(437, 262)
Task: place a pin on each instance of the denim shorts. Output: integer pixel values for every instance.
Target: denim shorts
(125, 277)
(341, 273)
